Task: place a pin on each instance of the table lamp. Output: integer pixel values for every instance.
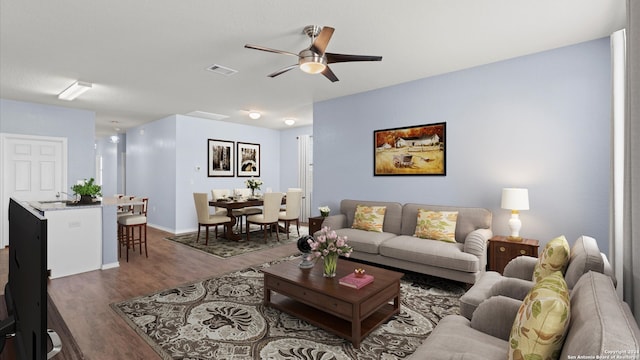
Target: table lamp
(515, 199)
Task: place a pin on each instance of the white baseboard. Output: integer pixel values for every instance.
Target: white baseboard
(110, 266)
(161, 228)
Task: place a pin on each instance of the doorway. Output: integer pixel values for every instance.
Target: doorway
(31, 168)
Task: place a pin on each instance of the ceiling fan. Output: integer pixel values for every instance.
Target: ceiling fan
(314, 59)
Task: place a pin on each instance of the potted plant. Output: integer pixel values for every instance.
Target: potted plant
(253, 184)
(87, 190)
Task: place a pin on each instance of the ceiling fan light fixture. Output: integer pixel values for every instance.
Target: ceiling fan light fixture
(312, 63)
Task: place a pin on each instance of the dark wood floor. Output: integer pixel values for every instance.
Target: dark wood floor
(83, 300)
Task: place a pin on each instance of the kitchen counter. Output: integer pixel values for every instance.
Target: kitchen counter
(50, 205)
(82, 237)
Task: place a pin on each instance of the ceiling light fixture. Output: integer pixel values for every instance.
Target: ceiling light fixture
(76, 89)
(289, 122)
(115, 139)
(312, 63)
(254, 115)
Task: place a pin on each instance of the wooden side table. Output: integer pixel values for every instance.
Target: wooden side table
(315, 224)
(501, 250)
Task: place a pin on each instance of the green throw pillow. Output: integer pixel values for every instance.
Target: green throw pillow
(437, 225)
(542, 321)
(554, 257)
(370, 218)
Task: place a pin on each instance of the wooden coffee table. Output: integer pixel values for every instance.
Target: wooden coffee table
(349, 313)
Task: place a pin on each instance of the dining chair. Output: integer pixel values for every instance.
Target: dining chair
(220, 194)
(245, 193)
(127, 224)
(124, 209)
(284, 208)
(292, 210)
(205, 218)
(269, 216)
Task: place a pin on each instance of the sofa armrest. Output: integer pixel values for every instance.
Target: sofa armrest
(476, 242)
(608, 270)
(520, 267)
(513, 288)
(335, 222)
(495, 316)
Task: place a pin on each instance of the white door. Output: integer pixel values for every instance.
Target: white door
(31, 168)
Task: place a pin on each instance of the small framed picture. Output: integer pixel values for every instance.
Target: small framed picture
(248, 159)
(220, 158)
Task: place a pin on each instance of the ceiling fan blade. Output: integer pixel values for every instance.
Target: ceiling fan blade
(282, 71)
(320, 43)
(337, 58)
(256, 47)
(329, 74)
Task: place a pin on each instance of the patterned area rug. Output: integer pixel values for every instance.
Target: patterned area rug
(224, 318)
(224, 248)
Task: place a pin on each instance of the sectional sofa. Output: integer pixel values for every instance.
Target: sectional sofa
(396, 246)
(601, 326)
(516, 281)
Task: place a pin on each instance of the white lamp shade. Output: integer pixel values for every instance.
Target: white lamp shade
(515, 199)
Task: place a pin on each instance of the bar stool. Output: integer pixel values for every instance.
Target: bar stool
(127, 225)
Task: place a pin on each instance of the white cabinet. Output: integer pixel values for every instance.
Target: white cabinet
(74, 240)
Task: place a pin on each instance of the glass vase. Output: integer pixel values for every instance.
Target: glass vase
(330, 264)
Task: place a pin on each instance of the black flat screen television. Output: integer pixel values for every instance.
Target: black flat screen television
(26, 290)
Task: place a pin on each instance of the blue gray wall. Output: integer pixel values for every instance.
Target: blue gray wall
(539, 122)
(167, 161)
(78, 126)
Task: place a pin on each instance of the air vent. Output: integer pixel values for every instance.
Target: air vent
(222, 70)
(207, 115)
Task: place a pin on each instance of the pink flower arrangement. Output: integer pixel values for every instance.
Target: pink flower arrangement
(328, 242)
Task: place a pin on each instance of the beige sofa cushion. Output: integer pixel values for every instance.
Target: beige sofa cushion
(554, 257)
(364, 241)
(585, 256)
(369, 218)
(436, 225)
(541, 324)
(392, 214)
(435, 253)
(468, 220)
(454, 338)
(600, 321)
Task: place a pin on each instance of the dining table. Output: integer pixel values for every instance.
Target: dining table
(235, 204)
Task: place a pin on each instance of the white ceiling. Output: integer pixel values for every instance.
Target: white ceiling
(147, 59)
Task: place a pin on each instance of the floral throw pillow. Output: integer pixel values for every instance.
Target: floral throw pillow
(542, 321)
(370, 218)
(437, 225)
(554, 257)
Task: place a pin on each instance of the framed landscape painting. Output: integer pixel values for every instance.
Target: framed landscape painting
(220, 158)
(248, 159)
(413, 150)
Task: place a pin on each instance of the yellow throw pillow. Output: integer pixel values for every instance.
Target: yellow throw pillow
(554, 257)
(542, 321)
(436, 225)
(370, 218)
